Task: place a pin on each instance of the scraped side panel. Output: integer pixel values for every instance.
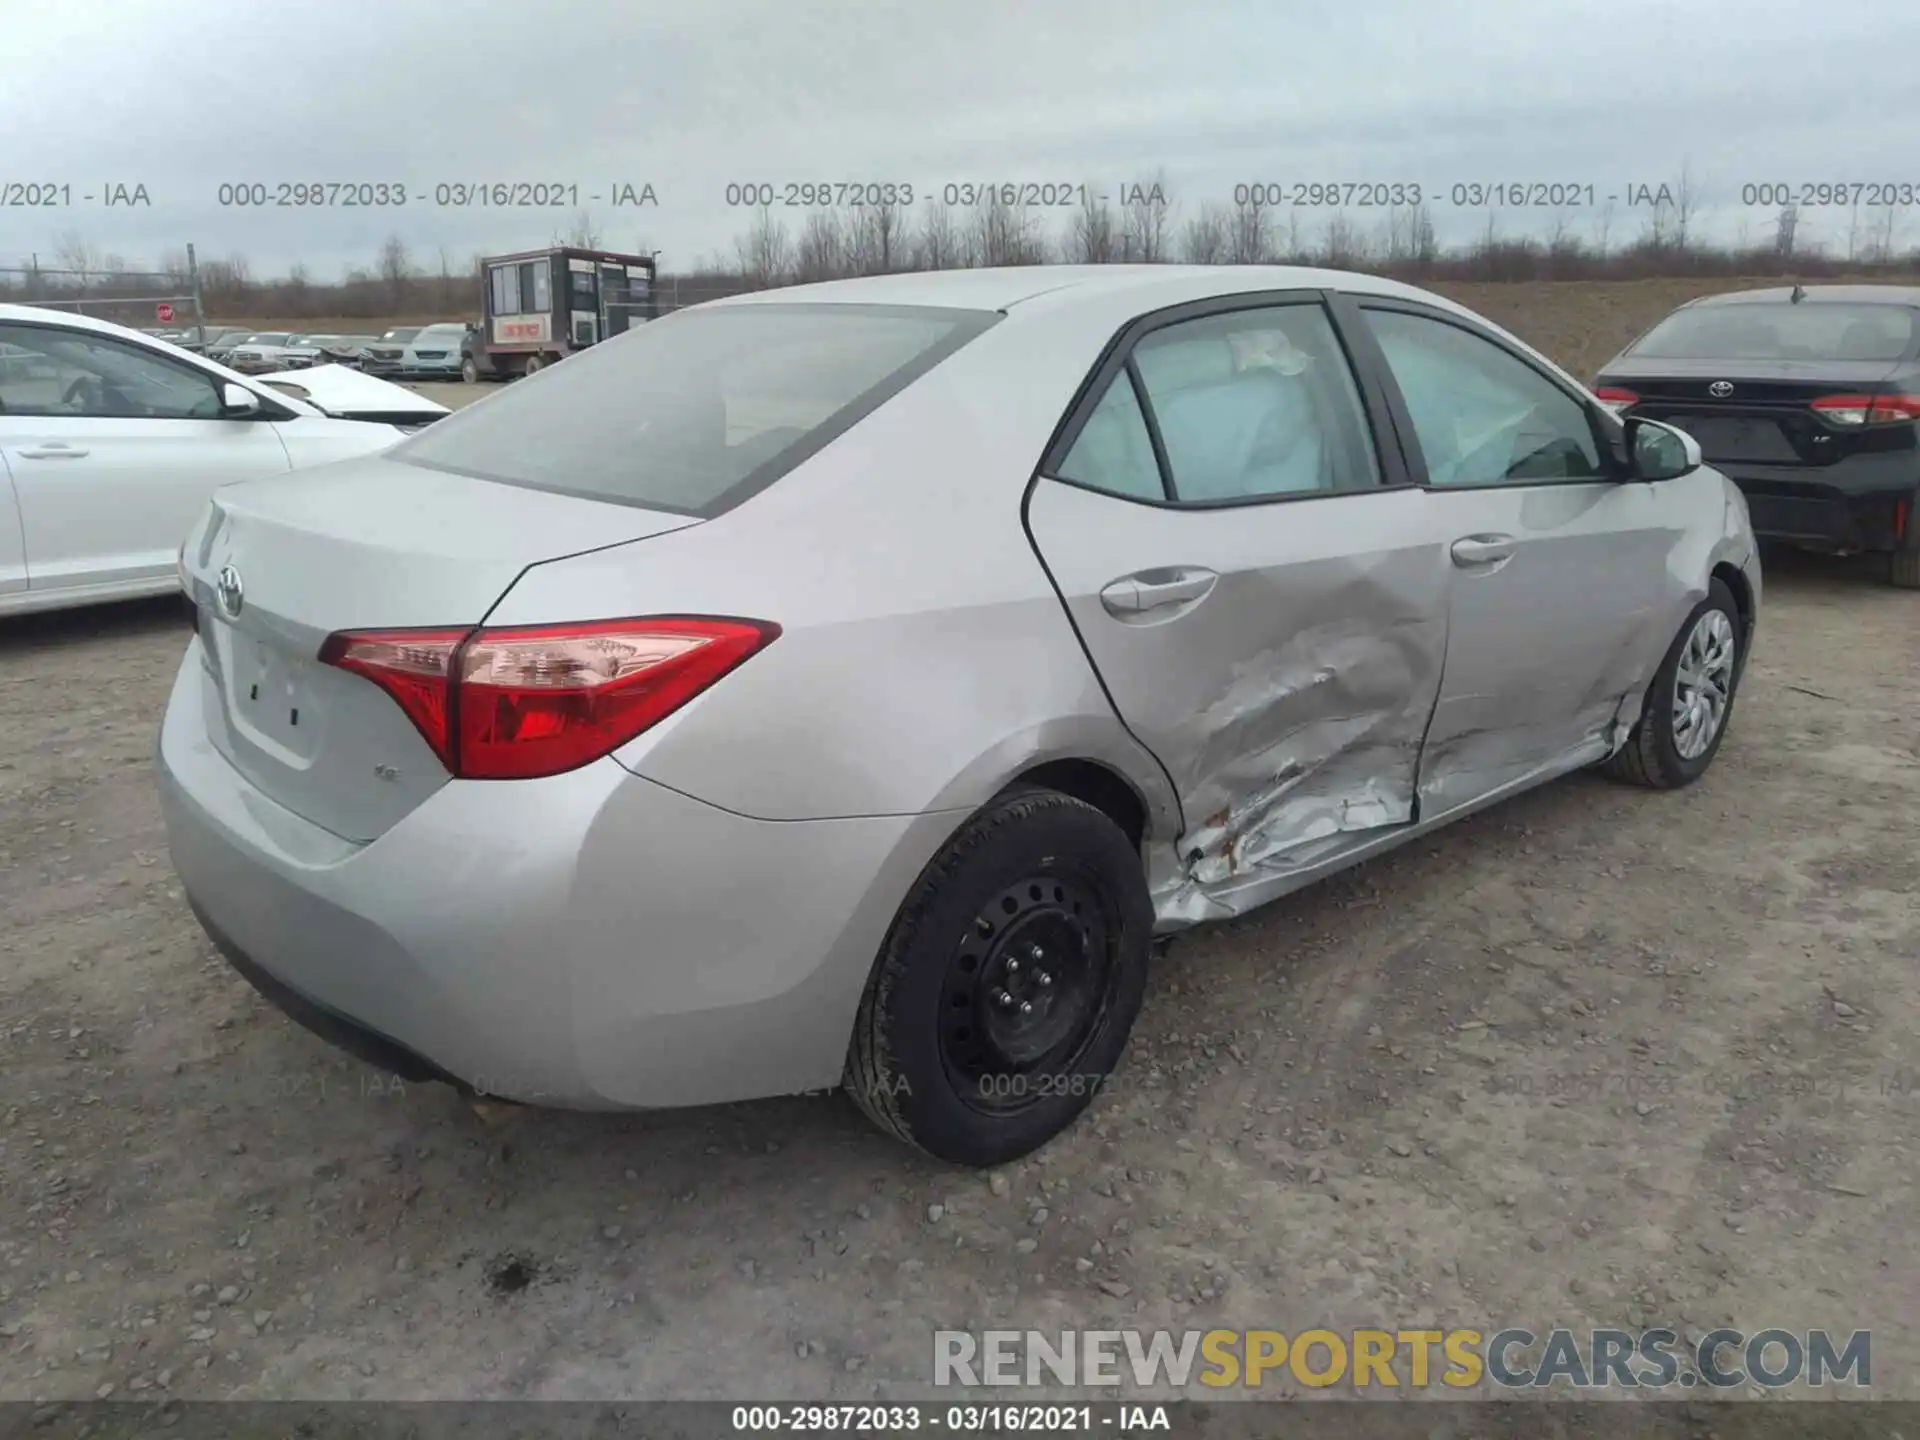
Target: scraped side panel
(1319, 736)
(1315, 743)
(1288, 706)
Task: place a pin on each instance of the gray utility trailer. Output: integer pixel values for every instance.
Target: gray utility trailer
(544, 305)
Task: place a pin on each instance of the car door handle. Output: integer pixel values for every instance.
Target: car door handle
(1153, 589)
(53, 450)
(1483, 549)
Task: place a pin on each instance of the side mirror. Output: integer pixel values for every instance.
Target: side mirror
(237, 402)
(1660, 452)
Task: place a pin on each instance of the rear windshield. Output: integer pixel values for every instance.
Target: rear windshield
(695, 412)
(1778, 330)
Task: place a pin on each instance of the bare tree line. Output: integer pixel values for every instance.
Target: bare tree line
(1146, 226)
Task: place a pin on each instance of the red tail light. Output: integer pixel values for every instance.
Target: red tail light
(1868, 409)
(513, 703)
(1616, 399)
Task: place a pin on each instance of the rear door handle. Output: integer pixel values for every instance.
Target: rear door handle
(1483, 549)
(1147, 590)
(53, 450)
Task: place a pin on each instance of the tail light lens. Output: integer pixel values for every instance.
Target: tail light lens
(1616, 399)
(1868, 409)
(518, 702)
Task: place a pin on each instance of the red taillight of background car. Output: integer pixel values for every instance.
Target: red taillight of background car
(1616, 399)
(1868, 409)
(518, 702)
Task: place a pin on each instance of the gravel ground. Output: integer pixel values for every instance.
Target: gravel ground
(1598, 1056)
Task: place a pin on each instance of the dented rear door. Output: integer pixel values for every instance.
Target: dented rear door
(1266, 607)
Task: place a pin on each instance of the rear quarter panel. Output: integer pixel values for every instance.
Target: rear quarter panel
(925, 658)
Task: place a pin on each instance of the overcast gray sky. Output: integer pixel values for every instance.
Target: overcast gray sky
(690, 95)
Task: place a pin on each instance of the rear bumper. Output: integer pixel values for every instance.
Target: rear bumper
(341, 1031)
(1842, 513)
(589, 941)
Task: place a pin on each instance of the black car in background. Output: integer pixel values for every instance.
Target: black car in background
(1807, 398)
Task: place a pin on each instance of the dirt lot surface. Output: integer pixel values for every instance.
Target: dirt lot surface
(1599, 1056)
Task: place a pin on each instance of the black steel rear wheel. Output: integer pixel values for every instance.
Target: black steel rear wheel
(1030, 980)
(1005, 992)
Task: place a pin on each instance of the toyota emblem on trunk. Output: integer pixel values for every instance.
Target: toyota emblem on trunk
(1720, 389)
(231, 592)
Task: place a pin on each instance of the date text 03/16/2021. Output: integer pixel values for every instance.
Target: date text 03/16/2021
(988, 1419)
(445, 194)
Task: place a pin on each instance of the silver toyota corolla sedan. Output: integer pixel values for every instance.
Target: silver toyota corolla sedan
(844, 684)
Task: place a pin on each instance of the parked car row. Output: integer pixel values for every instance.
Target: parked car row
(426, 352)
(409, 351)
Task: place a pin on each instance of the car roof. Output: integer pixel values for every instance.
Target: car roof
(1001, 288)
(1907, 295)
(46, 314)
(1101, 298)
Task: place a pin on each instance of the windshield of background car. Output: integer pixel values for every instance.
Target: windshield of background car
(273, 339)
(696, 412)
(1780, 330)
(402, 335)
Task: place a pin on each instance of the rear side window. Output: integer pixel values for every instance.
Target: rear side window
(696, 412)
(1255, 404)
(1114, 451)
(1249, 405)
(1778, 330)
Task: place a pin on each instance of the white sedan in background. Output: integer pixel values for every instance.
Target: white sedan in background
(111, 443)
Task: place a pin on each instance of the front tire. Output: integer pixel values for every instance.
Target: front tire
(1903, 566)
(469, 372)
(1006, 989)
(1690, 702)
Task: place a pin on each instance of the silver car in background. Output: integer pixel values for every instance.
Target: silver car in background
(384, 355)
(846, 683)
(260, 353)
(302, 352)
(434, 353)
(220, 348)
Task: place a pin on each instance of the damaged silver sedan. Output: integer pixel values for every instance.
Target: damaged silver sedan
(842, 685)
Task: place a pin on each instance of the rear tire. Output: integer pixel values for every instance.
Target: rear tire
(1694, 687)
(535, 364)
(1006, 989)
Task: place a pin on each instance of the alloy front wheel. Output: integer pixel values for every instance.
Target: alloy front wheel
(1703, 684)
(1683, 718)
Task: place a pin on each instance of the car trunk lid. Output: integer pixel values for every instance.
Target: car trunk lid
(1749, 412)
(278, 565)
